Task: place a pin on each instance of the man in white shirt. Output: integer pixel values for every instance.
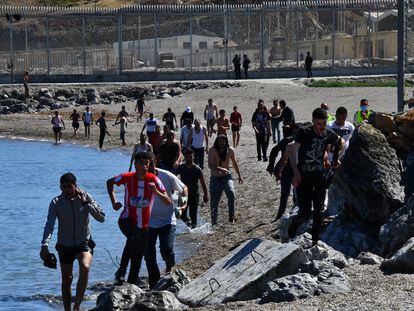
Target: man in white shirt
(162, 224)
(185, 134)
(342, 128)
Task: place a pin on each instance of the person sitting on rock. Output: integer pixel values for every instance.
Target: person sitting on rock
(363, 114)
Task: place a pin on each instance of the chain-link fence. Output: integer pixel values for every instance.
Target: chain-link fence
(343, 34)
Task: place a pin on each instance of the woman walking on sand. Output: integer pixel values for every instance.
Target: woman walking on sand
(58, 125)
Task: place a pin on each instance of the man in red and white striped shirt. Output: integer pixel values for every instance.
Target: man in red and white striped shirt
(141, 188)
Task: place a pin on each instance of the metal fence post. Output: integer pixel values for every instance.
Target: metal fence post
(333, 37)
(191, 43)
(84, 44)
(120, 54)
(369, 38)
(226, 41)
(297, 38)
(401, 55)
(262, 39)
(47, 45)
(156, 42)
(11, 51)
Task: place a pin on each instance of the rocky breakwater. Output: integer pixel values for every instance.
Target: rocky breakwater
(12, 100)
(258, 270)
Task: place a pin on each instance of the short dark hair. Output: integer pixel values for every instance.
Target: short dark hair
(282, 103)
(142, 156)
(363, 101)
(69, 178)
(189, 151)
(341, 110)
(222, 111)
(319, 114)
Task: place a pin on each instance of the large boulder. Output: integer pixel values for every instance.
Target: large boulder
(398, 229)
(243, 273)
(321, 251)
(383, 122)
(402, 261)
(10, 102)
(45, 101)
(119, 297)
(157, 301)
(369, 177)
(173, 282)
(367, 258)
(350, 237)
(289, 288)
(287, 220)
(68, 93)
(315, 278)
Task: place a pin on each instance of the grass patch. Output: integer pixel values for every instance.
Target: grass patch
(326, 83)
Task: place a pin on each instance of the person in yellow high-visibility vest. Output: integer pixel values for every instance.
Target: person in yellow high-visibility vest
(363, 114)
(330, 117)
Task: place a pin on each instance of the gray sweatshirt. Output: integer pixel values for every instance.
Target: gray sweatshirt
(73, 220)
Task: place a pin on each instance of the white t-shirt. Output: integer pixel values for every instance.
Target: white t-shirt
(161, 214)
(151, 124)
(185, 133)
(345, 131)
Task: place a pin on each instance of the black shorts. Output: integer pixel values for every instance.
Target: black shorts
(75, 125)
(86, 124)
(67, 255)
(235, 128)
(57, 130)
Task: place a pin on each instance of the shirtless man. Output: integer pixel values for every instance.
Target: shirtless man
(210, 114)
(219, 158)
(142, 146)
(223, 124)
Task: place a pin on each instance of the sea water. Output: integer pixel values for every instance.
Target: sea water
(30, 172)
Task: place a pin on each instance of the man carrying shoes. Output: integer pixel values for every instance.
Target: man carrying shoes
(72, 209)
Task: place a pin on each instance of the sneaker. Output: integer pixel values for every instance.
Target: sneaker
(120, 275)
(265, 159)
(232, 220)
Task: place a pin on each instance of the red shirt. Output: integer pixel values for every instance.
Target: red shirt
(235, 118)
(139, 197)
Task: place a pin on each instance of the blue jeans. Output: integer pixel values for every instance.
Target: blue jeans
(166, 235)
(217, 186)
(276, 129)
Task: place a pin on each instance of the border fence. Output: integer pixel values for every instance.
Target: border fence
(342, 36)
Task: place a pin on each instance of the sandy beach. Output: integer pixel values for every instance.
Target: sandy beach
(257, 199)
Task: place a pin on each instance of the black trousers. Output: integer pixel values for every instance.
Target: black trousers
(309, 72)
(262, 142)
(237, 72)
(246, 70)
(311, 193)
(102, 135)
(285, 186)
(192, 206)
(134, 248)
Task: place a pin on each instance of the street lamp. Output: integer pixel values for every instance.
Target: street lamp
(10, 19)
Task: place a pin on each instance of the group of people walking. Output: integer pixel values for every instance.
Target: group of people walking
(165, 165)
(310, 153)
